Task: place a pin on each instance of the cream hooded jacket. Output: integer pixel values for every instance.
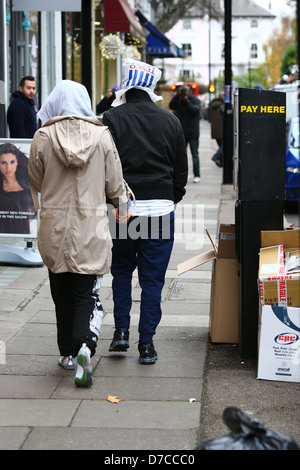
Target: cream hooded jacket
(74, 165)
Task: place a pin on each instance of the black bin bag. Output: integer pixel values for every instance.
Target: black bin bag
(247, 435)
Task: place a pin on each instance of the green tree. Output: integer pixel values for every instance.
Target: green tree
(289, 58)
(276, 47)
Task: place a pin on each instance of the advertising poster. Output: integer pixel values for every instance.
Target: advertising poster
(17, 215)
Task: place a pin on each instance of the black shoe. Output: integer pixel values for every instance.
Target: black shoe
(217, 162)
(120, 340)
(148, 355)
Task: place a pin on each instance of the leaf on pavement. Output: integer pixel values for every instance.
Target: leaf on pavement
(113, 399)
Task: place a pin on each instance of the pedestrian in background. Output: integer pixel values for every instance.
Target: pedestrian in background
(107, 101)
(152, 150)
(216, 123)
(21, 113)
(187, 109)
(74, 164)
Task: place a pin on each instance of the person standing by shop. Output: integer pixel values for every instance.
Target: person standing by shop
(152, 150)
(21, 113)
(74, 164)
(216, 122)
(187, 109)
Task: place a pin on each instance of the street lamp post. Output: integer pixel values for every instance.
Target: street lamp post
(228, 111)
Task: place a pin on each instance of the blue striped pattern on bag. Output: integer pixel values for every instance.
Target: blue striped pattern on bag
(136, 78)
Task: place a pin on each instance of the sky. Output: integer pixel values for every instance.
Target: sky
(278, 7)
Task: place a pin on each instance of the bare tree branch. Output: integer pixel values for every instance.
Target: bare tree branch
(168, 12)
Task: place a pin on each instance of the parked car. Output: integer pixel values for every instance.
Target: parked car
(293, 160)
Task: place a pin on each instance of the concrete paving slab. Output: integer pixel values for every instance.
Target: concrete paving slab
(12, 438)
(8, 329)
(138, 415)
(128, 366)
(186, 308)
(36, 365)
(28, 346)
(10, 302)
(57, 438)
(168, 320)
(19, 386)
(132, 388)
(190, 291)
(38, 412)
(33, 329)
(44, 316)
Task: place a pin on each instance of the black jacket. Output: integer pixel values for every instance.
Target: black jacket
(188, 113)
(21, 116)
(104, 104)
(151, 146)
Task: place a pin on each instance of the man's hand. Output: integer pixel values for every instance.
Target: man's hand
(122, 216)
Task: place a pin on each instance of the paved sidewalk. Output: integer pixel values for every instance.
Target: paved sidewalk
(172, 405)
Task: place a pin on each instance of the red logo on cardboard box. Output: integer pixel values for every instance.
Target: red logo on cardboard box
(286, 338)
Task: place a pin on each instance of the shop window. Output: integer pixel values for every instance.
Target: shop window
(73, 40)
(186, 23)
(187, 50)
(253, 51)
(223, 51)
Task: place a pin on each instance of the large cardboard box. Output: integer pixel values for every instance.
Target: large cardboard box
(279, 268)
(224, 313)
(279, 344)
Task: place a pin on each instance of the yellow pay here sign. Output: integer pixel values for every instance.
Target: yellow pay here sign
(262, 109)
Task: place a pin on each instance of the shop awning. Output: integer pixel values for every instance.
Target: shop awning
(119, 18)
(158, 44)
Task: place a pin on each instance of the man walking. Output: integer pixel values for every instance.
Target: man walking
(187, 109)
(21, 113)
(152, 150)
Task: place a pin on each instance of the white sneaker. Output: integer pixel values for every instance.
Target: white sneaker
(196, 179)
(83, 377)
(67, 362)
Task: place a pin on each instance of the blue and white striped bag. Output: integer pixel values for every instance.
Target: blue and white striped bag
(136, 74)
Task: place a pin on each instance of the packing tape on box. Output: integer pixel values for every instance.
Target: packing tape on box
(282, 292)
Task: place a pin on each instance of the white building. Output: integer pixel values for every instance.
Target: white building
(203, 42)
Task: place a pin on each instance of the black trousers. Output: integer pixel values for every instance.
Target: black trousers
(78, 310)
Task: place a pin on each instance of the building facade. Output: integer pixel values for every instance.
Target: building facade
(203, 41)
(81, 40)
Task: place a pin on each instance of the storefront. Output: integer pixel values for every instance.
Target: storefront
(85, 41)
(35, 43)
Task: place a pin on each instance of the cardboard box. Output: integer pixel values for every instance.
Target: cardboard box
(279, 269)
(279, 344)
(224, 285)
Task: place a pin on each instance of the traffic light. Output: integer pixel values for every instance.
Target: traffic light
(211, 88)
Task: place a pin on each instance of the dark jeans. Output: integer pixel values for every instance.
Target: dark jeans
(218, 156)
(78, 310)
(194, 144)
(150, 254)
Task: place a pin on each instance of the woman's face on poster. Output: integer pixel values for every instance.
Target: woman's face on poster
(8, 164)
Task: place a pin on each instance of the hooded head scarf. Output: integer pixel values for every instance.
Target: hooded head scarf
(68, 98)
(136, 74)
